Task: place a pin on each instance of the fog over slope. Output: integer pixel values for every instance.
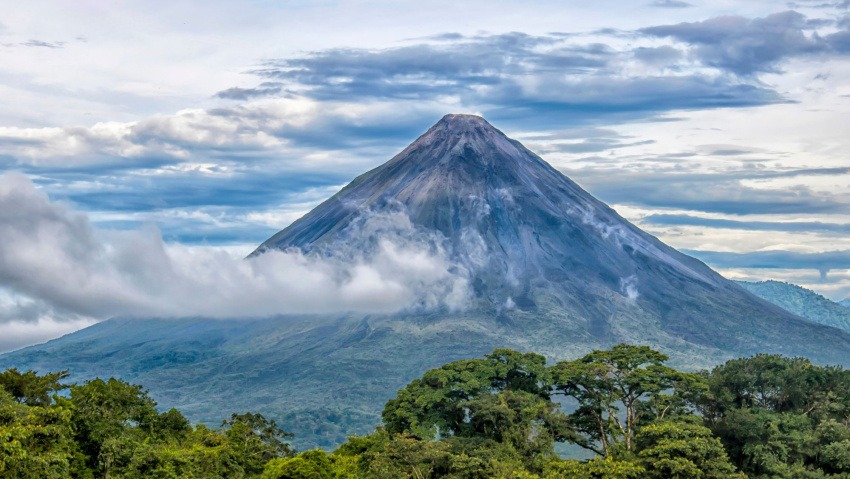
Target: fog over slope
(52, 255)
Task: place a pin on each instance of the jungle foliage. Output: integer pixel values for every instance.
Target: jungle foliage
(500, 416)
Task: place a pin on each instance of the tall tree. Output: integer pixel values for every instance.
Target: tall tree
(108, 419)
(256, 440)
(504, 398)
(616, 389)
(31, 388)
(36, 441)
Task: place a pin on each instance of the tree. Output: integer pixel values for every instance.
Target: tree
(31, 389)
(109, 417)
(398, 456)
(616, 389)
(35, 441)
(435, 405)
(774, 383)
(256, 440)
(170, 424)
(780, 417)
(307, 465)
(504, 397)
(682, 450)
(597, 468)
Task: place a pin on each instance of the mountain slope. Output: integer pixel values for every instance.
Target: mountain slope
(531, 237)
(547, 267)
(845, 303)
(802, 302)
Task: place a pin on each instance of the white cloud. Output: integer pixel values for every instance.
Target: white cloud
(17, 334)
(53, 257)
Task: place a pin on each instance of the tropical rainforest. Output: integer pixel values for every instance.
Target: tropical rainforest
(501, 416)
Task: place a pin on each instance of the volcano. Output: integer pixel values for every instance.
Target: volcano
(547, 268)
(531, 238)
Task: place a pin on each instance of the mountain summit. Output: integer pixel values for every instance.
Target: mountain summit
(549, 268)
(532, 239)
(507, 215)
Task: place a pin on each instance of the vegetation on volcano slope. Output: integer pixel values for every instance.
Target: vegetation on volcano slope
(500, 416)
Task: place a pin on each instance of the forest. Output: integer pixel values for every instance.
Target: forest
(501, 416)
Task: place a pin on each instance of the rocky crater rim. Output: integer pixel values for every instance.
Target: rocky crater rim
(462, 121)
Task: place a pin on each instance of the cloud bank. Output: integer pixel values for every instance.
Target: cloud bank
(747, 46)
(59, 266)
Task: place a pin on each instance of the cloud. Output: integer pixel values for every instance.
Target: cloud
(582, 140)
(61, 266)
(43, 44)
(263, 90)
(670, 4)
(840, 41)
(723, 192)
(214, 168)
(663, 55)
(822, 262)
(319, 119)
(454, 65)
(748, 46)
(787, 226)
(282, 129)
(17, 334)
(511, 76)
(844, 4)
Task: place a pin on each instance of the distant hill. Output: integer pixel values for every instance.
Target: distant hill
(802, 302)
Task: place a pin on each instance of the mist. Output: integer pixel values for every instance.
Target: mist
(56, 267)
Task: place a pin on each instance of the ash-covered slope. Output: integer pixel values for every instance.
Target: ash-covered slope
(507, 215)
(531, 238)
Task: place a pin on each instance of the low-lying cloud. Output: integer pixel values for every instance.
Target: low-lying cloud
(55, 264)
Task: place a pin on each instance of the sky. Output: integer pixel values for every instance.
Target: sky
(147, 147)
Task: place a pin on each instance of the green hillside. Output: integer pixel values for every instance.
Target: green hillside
(801, 301)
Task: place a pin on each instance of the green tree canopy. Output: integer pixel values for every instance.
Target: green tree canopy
(256, 440)
(780, 417)
(504, 397)
(31, 388)
(682, 449)
(616, 389)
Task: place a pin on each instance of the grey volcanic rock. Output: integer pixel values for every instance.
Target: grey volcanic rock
(531, 237)
(549, 268)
